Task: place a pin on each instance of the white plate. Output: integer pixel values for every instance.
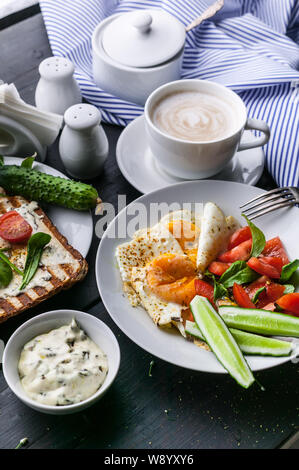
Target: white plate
(135, 322)
(76, 226)
(139, 167)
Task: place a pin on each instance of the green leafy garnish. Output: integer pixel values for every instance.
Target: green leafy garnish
(5, 274)
(28, 162)
(242, 277)
(150, 368)
(288, 289)
(238, 272)
(288, 270)
(258, 239)
(219, 291)
(235, 268)
(1, 160)
(7, 261)
(257, 294)
(35, 247)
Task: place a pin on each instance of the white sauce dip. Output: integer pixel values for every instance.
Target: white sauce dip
(62, 367)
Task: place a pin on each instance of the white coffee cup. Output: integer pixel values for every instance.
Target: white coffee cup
(200, 159)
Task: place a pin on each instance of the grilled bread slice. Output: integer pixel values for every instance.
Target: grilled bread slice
(60, 267)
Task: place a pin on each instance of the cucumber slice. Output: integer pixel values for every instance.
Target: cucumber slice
(249, 343)
(260, 321)
(192, 329)
(221, 341)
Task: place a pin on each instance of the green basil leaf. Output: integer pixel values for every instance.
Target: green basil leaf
(258, 239)
(208, 274)
(219, 291)
(242, 277)
(7, 261)
(28, 162)
(288, 270)
(5, 274)
(257, 294)
(236, 267)
(35, 247)
(288, 289)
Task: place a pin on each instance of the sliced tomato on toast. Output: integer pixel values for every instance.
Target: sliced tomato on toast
(14, 228)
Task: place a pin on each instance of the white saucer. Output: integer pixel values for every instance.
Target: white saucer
(139, 167)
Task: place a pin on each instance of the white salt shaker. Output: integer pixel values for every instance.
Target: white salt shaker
(57, 88)
(83, 144)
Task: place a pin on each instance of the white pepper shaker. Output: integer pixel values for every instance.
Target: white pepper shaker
(83, 144)
(57, 88)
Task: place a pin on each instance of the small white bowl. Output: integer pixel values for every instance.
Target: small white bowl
(94, 328)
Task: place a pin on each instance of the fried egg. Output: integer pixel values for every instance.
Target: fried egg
(215, 231)
(177, 234)
(159, 265)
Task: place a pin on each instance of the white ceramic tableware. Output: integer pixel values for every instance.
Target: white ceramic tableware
(134, 321)
(24, 129)
(83, 144)
(57, 88)
(76, 226)
(16, 139)
(137, 51)
(139, 167)
(94, 328)
(202, 159)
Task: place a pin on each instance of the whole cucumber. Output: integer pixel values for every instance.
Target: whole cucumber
(38, 186)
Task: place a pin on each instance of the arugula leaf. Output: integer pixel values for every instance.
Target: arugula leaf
(288, 270)
(258, 239)
(288, 289)
(28, 162)
(7, 261)
(35, 247)
(5, 274)
(257, 294)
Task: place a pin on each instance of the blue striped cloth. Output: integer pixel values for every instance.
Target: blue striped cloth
(250, 46)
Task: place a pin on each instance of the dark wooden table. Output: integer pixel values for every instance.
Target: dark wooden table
(172, 409)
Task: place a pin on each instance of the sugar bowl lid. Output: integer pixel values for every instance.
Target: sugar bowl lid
(143, 38)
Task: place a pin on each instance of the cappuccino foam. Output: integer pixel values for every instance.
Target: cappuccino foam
(194, 116)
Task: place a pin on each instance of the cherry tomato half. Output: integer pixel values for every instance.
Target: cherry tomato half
(14, 228)
(205, 289)
(240, 236)
(262, 266)
(239, 252)
(241, 297)
(218, 268)
(274, 247)
(289, 302)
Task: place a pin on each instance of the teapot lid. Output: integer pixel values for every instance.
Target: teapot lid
(143, 38)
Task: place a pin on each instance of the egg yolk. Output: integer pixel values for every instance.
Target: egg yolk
(187, 234)
(171, 277)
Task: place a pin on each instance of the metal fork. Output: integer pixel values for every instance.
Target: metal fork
(271, 201)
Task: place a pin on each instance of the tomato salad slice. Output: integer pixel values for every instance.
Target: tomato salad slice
(14, 228)
(268, 260)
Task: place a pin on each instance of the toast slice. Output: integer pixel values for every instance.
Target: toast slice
(61, 266)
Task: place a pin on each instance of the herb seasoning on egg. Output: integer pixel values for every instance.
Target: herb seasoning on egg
(62, 367)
